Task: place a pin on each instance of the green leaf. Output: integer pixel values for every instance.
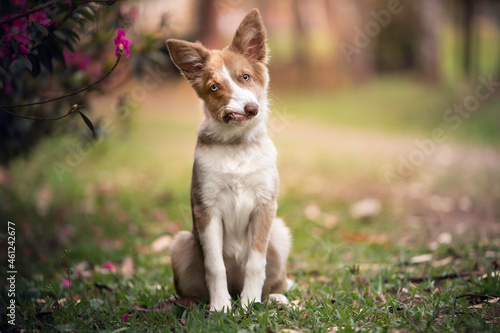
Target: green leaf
(70, 34)
(26, 62)
(41, 28)
(36, 65)
(88, 123)
(95, 303)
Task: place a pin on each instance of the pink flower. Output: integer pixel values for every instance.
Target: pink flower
(22, 38)
(125, 317)
(122, 43)
(19, 24)
(133, 14)
(109, 265)
(20, 3)
(40, 17)
(66, 282)
(7, 87)
(4, 50)
(76, 59)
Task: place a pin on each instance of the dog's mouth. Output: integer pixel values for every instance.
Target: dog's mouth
(236, 117)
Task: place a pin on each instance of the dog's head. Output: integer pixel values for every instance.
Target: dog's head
(232, 82)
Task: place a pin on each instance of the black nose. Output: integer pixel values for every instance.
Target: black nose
(251, 109)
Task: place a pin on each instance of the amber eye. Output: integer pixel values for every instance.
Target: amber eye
(246, 77)
(214, 87)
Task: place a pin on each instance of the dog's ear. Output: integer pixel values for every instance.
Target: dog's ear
(190, 58)
(250, 37)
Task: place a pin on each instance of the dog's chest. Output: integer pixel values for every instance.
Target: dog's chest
(235, 181)
(237, 177)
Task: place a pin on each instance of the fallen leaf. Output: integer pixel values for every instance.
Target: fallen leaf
(330, 221)
(108, 266)
(312, 211)
(127, 267)
(172, 228)
(444, 238)
(162, 243)
(362, 237)
(44, 198)
(420, 259)
(159, 215)
(443, 262)
(366, 208)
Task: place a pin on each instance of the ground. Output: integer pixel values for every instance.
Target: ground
(395, 228)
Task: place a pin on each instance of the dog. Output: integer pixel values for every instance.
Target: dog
(237, 246)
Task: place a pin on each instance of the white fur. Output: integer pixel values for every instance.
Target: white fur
(236, 181)
(255, 274)
(240, 96)
(211, 241)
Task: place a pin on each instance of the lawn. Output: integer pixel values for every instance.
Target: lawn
(93, 223)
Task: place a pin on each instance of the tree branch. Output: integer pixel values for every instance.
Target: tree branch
(73, 109)
(2, 107)
(40, 7)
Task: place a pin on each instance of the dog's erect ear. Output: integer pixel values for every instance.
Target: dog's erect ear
(250, 37)
(190, 58)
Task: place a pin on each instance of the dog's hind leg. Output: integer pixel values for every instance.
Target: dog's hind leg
(277, 255)
(188, 266)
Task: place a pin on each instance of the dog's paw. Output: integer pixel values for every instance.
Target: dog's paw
(247, 299)
(278, 298)
(220, 305)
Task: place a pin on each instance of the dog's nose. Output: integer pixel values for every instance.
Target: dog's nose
(251, 109)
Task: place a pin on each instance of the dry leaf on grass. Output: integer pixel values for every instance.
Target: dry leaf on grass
(162, 243)
(127, 267)
(366, 208)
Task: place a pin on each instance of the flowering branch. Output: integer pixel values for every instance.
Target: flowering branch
(66, 95)
(40, 7)
(73, 109)
(122, 46)
(28, 12)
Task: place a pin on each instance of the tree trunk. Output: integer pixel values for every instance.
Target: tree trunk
(208, 33)
(429, 16)
(468, 7)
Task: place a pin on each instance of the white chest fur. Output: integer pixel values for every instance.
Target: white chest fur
(236, 180)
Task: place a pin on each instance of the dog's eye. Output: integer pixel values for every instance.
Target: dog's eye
(214, 87)
(246, 77)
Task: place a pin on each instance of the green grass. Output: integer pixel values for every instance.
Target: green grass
(397, 105)
(354, 275)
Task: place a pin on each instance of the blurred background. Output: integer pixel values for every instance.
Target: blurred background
(385, 113)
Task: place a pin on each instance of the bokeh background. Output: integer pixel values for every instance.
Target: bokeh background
(386, 116)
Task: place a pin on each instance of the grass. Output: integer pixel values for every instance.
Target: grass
(95, 224)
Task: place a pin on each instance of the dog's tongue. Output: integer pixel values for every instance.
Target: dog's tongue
(237, 116)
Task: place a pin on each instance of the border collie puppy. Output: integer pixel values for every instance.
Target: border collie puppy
(237, 245)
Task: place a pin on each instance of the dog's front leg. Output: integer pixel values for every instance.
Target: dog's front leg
(255, 269)
(215, 271)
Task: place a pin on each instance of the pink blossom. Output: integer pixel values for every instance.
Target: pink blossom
(4, 50)
(133, 14)
(18, 25)
(40, 17)
(24, 39)
(122, 43)
(77, 59)
(109, 265)
(21, 3)
(7, 87)
(66, 282)
(125, 317)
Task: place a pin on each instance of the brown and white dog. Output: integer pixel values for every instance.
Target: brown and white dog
(237, 245)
